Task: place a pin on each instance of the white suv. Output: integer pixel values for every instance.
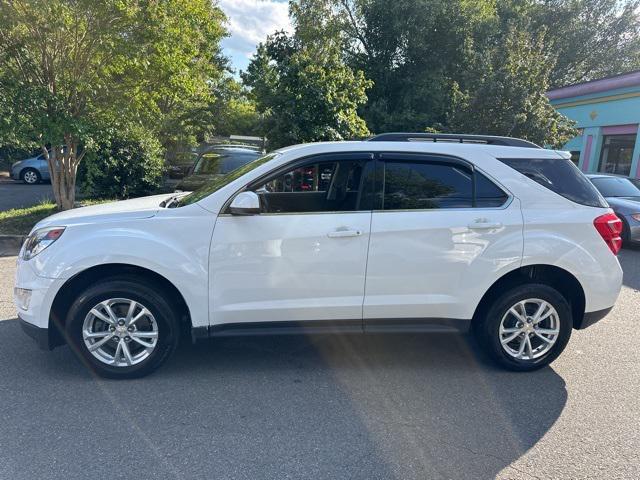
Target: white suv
(402, 233)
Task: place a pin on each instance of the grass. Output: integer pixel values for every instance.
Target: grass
(19, 221)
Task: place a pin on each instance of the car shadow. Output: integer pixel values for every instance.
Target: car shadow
(392, 406)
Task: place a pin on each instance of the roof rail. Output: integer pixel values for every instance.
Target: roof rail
(453, 138)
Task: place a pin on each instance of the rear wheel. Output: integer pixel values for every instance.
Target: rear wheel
(30, 176)
(526, 328)
(122, 328)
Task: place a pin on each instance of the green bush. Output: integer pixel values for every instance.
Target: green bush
(122, 165)
(10, 154)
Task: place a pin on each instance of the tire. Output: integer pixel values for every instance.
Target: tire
(158, 327)
(490, 336)
(30, 176)
(626, 233)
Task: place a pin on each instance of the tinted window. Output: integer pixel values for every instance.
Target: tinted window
(560, 176)
(424, 185)
(323, 186)
(575, 157)
(218, 182)
(223, 161)
(616, 187)
(488, 194)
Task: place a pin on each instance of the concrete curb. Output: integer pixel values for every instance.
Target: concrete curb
(10, 245)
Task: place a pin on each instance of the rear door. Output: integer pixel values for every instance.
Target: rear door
(441, 234)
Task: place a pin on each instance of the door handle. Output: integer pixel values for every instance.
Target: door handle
(483, 224)
(344, 233)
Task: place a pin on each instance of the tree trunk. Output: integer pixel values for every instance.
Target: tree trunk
(63, 165)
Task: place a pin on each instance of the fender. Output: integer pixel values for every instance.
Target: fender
(149, 243)
(576, 246)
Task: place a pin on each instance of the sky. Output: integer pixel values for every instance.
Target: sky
(249, 23)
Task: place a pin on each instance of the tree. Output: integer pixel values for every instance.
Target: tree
(304, 89)
(103, 64)
(429, 58)
(589, 39)
(234, 110)
(507, 94)
(412, 51)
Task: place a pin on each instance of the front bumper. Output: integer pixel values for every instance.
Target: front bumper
(40, 335)
(43, 291)
(634, 232)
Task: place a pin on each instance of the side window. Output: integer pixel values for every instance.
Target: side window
(322, 186)
(488, 194)
(560, 176)
(426, 185)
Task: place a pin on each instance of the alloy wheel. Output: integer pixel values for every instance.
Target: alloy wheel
(30, 177)
(529, 329)
(120, 332)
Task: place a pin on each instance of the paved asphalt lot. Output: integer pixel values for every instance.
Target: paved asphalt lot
(404, 407)
(17, 194)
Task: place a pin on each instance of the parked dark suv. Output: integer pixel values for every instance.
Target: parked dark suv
(215, 162)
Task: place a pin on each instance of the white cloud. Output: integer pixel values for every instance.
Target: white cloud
(249, 23)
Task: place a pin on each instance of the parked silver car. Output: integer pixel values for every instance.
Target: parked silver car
(31, 170)
(623, 196)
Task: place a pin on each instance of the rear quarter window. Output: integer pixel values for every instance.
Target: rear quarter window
(560, 176)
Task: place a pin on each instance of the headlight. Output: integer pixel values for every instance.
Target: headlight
(39, 240)
(636, 216)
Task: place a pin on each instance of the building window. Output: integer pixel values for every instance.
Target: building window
(575, 156)
(616, 155)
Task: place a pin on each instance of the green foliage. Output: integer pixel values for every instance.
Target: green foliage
(234, 111)
(588, 39)
(412, 50)
(20, 221)
(10, 154)
(506, 94)
(475, 65)
(70, 70)
(122, 165)
(305, 90)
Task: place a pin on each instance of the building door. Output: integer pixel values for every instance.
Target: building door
(617, 154)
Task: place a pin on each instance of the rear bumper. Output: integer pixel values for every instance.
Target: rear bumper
(590, 318)
(39, 335)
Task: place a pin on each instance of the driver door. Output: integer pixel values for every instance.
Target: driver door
(303, 258)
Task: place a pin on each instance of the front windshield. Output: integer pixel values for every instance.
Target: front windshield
(616, 187)
(223, 161)
(216, 184)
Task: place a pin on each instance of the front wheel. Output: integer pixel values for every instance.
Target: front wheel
(122, 328)
(526, 328)
(30, 176)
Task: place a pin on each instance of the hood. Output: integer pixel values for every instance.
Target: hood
(626, 205)
(24, 160)
(144, 207)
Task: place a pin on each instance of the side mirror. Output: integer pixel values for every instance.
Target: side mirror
(245, 203)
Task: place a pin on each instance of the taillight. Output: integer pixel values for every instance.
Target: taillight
(609, 227)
